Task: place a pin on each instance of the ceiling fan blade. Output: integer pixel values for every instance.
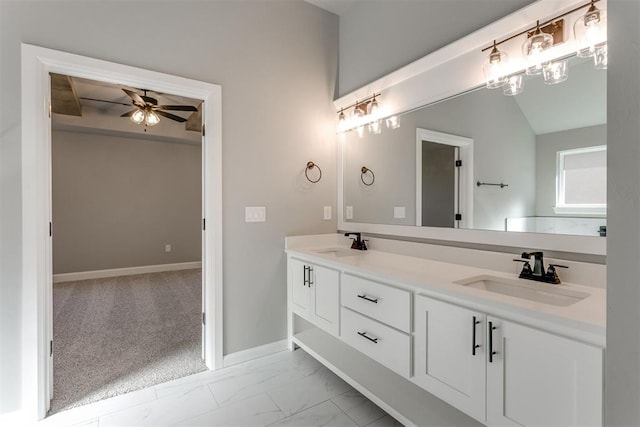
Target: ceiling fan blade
(171, 116)
(137, 99)
(129, 114)
(104, 100)
(178, 107)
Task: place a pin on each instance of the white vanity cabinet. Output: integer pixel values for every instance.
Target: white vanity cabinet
(315, 294)
(536, 378)
(449, 354)
(521, 375)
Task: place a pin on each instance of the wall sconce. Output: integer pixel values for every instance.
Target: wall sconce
(590, 32)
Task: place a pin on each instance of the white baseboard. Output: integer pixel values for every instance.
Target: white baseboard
(254, 353)
(127, 271)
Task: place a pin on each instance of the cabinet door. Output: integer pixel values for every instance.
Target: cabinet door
(300, 289)
(450, 354)
(325, 291)
(539, 379)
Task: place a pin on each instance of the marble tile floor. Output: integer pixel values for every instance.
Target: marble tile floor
(284, 389)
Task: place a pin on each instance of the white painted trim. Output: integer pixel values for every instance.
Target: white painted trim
(255, 352)
(455, 69)
(126, 271)
(37, 63)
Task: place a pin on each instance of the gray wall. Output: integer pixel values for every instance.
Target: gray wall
(277, 62)
(623, 210)
(503, 152)
(380, 36)
(547, 146)
(118, 201)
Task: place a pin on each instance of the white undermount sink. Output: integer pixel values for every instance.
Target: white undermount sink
(339, 252)
(521, 288)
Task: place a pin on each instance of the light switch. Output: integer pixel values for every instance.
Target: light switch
(255, 214)
(349, 212)
(399, 212)
(327, 212)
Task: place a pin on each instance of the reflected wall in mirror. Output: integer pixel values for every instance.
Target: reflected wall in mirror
(515, 140)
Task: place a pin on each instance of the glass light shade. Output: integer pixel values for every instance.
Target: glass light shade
(514, 85)
(138, 117)
(393, 122)
(555, 72)
(373, 107)
(494, 69)
(535, 51)
(600, 57)
(360, 131)
(152, 118)
(375, 127)
(590, 31)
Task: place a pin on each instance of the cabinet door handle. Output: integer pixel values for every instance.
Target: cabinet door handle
(474, 346)
(310, 276)
(364, 335)
(306, 280)
(491, 352)
(365, 297)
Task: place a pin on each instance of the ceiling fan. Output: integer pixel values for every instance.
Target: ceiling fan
(147, 110)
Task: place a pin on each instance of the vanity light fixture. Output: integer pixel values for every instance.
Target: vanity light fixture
(514, 85)
(494, 68)
(590, 31)
(535, 50)
(365, 114)
(555, 72)
(393, 122)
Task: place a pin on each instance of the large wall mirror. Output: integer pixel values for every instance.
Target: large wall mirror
(473, 165)
(487, 161)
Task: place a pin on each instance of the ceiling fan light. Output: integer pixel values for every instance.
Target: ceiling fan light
(138, 117)
(152, 118)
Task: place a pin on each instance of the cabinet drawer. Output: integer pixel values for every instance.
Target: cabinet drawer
(387, 346)
(381, 302)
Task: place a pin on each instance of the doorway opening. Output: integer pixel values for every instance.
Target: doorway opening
(444, 174)
(127, 239)
(37, 325)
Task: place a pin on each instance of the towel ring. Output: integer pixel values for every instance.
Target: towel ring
(311, 165)
(363, 171)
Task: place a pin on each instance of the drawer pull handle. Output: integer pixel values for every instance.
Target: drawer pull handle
(364, 335)
(474, 346)
(365, 297)
(491, 352)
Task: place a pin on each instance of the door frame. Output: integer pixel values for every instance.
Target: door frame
(464, 181)
(37, 316)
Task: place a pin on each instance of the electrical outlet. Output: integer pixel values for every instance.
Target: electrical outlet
(349, 212)
(399, 212)
(167, 248)
(327, 212)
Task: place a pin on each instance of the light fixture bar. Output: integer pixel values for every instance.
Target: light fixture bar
(364, 102)
(542, 25)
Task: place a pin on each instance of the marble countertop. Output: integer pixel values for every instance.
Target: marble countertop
(583, 320)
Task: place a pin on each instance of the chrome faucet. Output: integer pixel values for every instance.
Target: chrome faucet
(538, 273)
(358, 242)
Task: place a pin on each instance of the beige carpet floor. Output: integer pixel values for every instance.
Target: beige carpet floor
(120, 334)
